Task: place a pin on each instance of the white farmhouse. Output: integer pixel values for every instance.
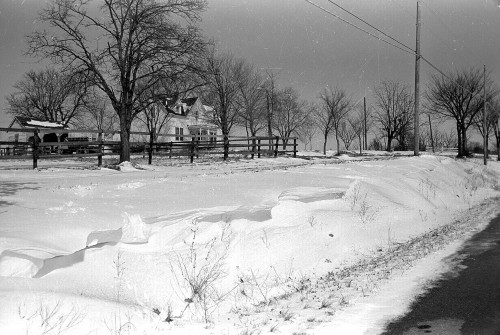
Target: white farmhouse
(189, 116)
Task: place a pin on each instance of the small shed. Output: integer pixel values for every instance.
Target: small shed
(20, 122)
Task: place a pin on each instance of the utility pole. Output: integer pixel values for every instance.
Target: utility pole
(269, 109)
(416, 150)
(430, 130)
(365, 128)
(270, 103)
(485, 126)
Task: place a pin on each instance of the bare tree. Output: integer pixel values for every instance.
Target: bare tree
(394, 111)
(324, 120)
(97, 113)
(49, 95)
(495, 123)
(357, 124)
(308, 129)
(437, 137)
(126, 43)
(251, 100)
(405, 135)
(154, 118)
(290, 113)
(347, 133)
(449, 139)
(271, 96)
(458, 97)
(222, 75)
(429, 136)
(491, 122)
(334, 107)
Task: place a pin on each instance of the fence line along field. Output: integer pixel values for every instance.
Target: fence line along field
(98, 143)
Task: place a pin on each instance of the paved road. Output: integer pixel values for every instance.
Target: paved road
(467, 299)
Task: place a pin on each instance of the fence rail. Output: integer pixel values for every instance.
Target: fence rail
(192, 146)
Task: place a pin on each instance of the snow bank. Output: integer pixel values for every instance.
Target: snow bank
(18, 265)
(279, 223)
(127, 167)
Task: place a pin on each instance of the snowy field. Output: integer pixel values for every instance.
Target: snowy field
(288, 246)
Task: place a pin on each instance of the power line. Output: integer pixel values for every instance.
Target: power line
(450, 78)
(451, 32)
(412, 52)
(370, 25)
(359, 28)
(441, 21)
(411, 15)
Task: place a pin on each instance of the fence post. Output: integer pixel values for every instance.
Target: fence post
(258, 148)
(276, 148)
(294, 148)
(170, 150)
(192, 149)
(99, 139)
(36, 140)
(253, 147)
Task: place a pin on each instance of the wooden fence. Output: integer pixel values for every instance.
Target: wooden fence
(191, 146)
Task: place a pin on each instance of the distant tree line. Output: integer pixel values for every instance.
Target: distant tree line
(117, 64)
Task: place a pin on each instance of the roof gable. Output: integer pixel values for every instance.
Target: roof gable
(27, 122)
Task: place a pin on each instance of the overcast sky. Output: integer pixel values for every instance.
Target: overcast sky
(309, 49)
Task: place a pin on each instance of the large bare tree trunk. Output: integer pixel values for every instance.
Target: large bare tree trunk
(464, 141)
(498, 148)
(285, 142)
(125, 125)
(461, 148)
(152, 138)
(226, 147)
(389, 143)
(338, 143)
(324, 145)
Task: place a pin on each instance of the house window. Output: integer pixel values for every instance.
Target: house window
(212, 136)
(178, 134)
(204, 134)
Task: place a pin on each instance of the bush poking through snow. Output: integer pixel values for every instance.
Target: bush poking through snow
(427, 189)
(355, 196)
(120, 324)
(343, 300)
(325, 304)
(50, 319)
(265, 239)
(286, 315)
(365, 212)
(358, 203)
(479, 178)
(311, 219)
(255, 288)
(200, 269)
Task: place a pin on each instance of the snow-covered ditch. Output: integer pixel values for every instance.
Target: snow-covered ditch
(246, 247)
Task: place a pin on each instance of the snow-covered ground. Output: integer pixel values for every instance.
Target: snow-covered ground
(245, 247)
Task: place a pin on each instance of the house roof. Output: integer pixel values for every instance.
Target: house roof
(179, 106)
(182, 107)
(189, 101)
(27, 122)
